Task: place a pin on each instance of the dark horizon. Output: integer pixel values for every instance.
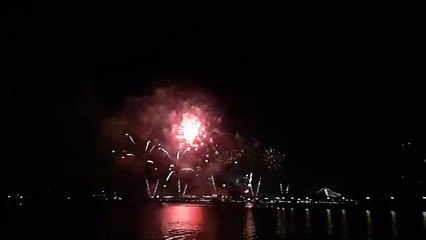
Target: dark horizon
(338, 100)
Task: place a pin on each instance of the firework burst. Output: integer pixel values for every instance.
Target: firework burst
(232, 156)
(191, 129)
(136, 153)
(187, 142)
(272, 158)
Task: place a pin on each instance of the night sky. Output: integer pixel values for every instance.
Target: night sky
(338, 94)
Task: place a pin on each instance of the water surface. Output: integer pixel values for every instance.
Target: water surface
(195, 221)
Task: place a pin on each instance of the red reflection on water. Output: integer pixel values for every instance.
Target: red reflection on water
(250, 228)
(183, 220)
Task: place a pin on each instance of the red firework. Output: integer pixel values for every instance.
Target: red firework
(190, 131)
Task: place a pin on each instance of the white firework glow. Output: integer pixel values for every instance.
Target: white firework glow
(273, 158)
(191, 130)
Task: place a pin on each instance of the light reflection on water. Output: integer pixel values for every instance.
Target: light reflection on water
(181, 221)
(424, 220)
(308, 223)
(292, 223)
(344, 225)
(281, 223)
(368, 221)
(329, 225)
(250, 227)
(394, 228)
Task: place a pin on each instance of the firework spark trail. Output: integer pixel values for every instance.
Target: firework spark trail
(186, 150)
(147, 187)
(168, 176)
(286, 189)
(177, 157)
(250, 185)
(188, 169)
(147, 144)
(131, 139)
(178, 181)
(165, 151)
(156, 187)
(281, 188)
(129, 153)
(184, 190)
(213, 183)
(152, 148)
(258, 187)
